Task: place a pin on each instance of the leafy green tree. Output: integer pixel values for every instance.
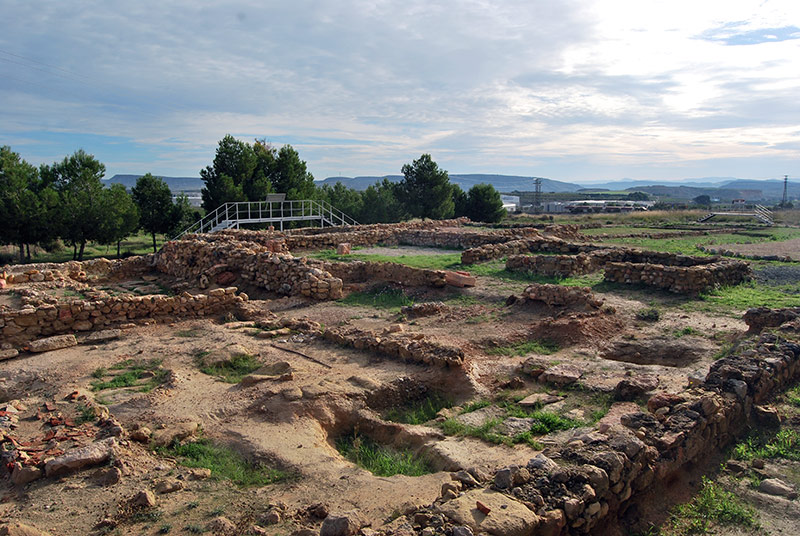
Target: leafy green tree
(484, 204)
(459, 201)
(156, 209)
(234, 163)
(426, 189)
(120, 217)
(77, 179)
(703, 200)
(348, 200)
(638, 196)
(259, 184)
(183, 214)
(381, 203)
(291, 177)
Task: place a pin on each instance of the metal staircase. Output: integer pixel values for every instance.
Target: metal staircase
(759, 212)
(274, 210)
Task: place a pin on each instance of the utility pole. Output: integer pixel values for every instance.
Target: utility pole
(785, 201)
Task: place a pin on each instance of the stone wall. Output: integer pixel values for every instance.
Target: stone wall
(602, 472)
(200, 259)
(360, 272)
(96, 269)
(553, 265)
(679, 279)
(560, 295)
(525, 245)
(20, 326)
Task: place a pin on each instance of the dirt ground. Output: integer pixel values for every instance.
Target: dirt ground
(789, 248)
(293, 424)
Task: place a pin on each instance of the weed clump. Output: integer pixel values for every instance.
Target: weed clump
(230, 370)
(381, 460)
(651, 314)
(712, 505)
(224, 463)
(419, 412)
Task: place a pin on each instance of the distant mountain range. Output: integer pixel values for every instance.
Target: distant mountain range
(723, 188)
(504, 183)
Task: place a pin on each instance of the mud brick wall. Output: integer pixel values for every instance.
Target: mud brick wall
(18, 327)
(360, 272)
(553, 265)
(679, 279)
(97, 269)
(604, 471)
(253, 263)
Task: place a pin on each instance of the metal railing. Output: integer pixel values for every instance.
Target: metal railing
(232, 215)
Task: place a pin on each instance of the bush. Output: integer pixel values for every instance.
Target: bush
(651, 314)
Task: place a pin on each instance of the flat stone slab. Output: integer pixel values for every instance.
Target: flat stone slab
(76, 459)
(479, 417)
(539, 399)
(103, 335)
(8, 354)
(774, 486)
(53, 343)
(506, 516)
(561, 374)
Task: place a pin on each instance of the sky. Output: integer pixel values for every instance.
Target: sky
(573, 90)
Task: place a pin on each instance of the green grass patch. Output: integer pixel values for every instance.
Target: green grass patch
(419, 412)
(381, 460)
(793, 396)
(785, 444)
(475, 405)
(688, 330)
(542, 347)
(224, 463)
(752, 294)
(712, 506)
(383, 297)
(144, 375)
(231, 370)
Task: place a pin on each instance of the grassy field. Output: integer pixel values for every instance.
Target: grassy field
(139, 244)
(687, 245)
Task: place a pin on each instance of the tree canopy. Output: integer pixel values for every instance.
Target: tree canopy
(154, 199)
(484, 204)
(426, 189)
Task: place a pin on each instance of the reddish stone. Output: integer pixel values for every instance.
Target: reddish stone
(225, 278)
(458, 279)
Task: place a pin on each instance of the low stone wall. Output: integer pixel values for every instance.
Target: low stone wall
(526, 245)
(559, 295)
(97, 269)
(19, 327)
(553, 265)
(759, 318)
(360, 272)
(407, 347)
(679, 279)
(602, 472)
(738, 255)
(255, 264)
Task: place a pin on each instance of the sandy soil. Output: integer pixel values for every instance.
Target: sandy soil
(789, 248)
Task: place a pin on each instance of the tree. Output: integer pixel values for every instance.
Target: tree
(704, 200)
(638, 196)
(381, 203)
(156, 211)
(77, 181)
(183, 215)
(348, 200)
(120, 216)
(426, 189)
(234, 163)
(22, 201)
(291, 177)
(484, 204)
(459, 201)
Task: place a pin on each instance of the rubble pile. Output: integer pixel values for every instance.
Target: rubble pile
(20, 326)
(201, 259)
